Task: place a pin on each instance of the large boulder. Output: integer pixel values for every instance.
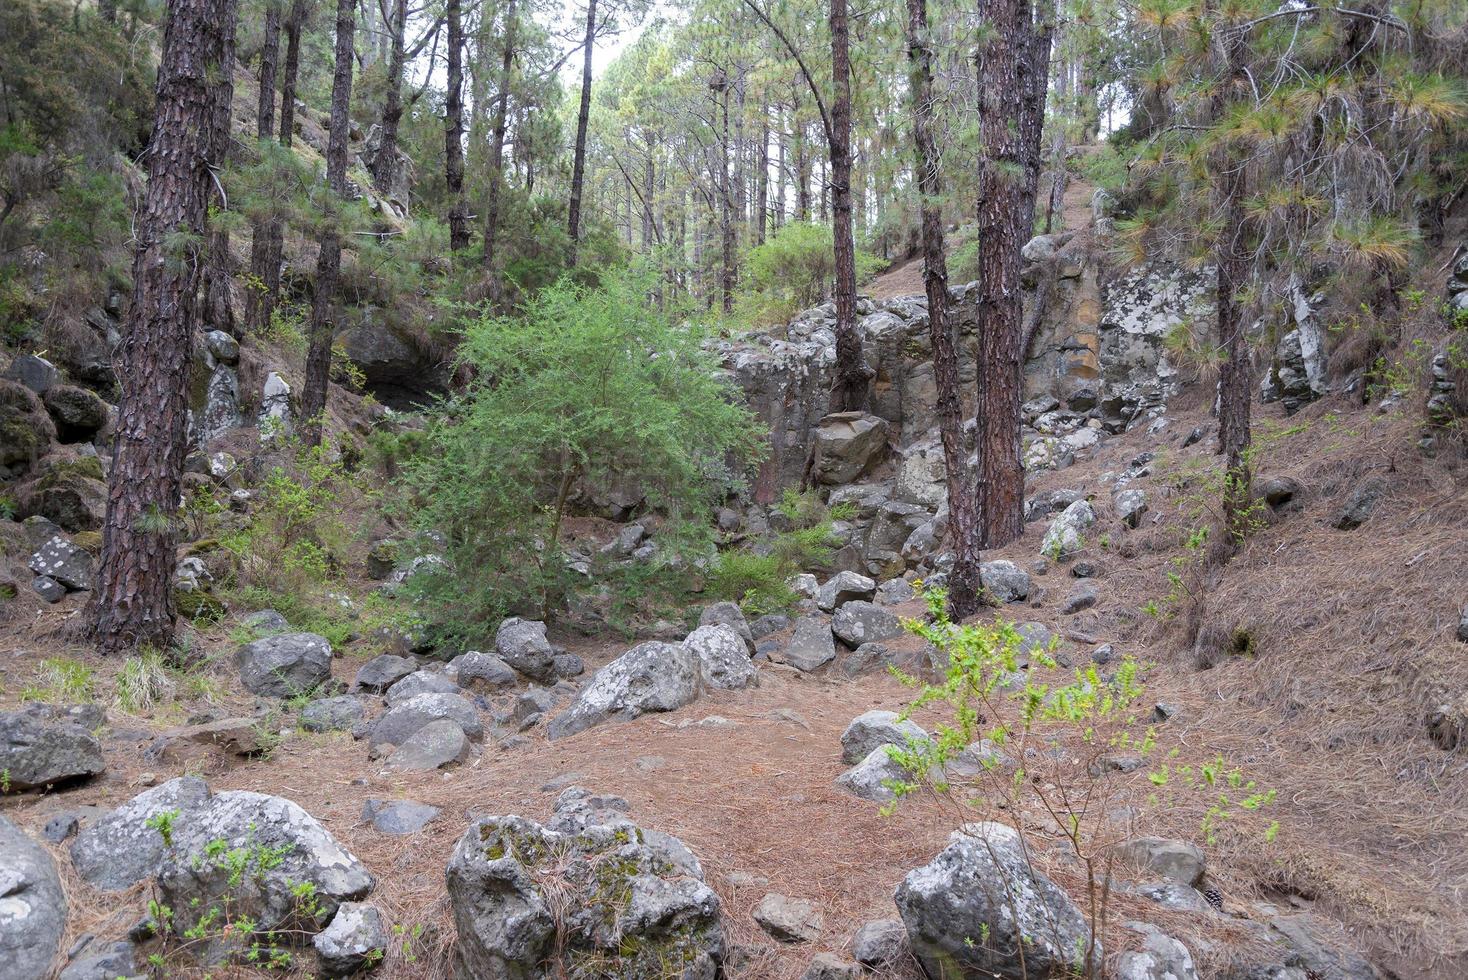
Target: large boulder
(32, 906)
(811, 646)
(861, 622)
(728, 614)
(723, 657)
(847, 445)
(436, 745)
(651, 676)
(284, 665)
(522, 644)
(844, 587)
(243, 856)
(38, 749)
(68, 490)
(981, 909)
(1005, 580)
(119, 850)
(26, 431)
(1066, 534)
(78, 413)
(405, 718)
(64, 562)
(596, 897)
(876, 728)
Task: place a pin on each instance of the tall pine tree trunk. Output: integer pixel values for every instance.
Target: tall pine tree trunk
(453, 130)
(853, 376)
(497, 155)
(264, 272)
(726, 200)
(328, 260)
(963, 580)
(583, 116)
(132, 604)
(385, 164)
(218, 309)
(762, 177)
(1011, 110)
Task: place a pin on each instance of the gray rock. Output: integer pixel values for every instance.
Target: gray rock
(1005, 580)
(844, 587)
(872, 729)
(284, 665)
(534, 702)
(1130, 505)
(810, 647)
(1463, 624)
(1033, 637)
(790, 920)
(119, 850)
(266, 622)
(652, 676)
(434, 746)
(860, 621)
(1174, 860)
(1320, 948)
(1066, 534)
(37, 751)
(723, 656)
(117, 962)
(78, 413)
(569, 665)
(879, 943)
(48, 588)
(729, 614)
(804, 585)
(895, 591)
(984, 885)
(398, 817)
(420, 682)
(1082, 597)
(847, 444)
(477, 671)
(404, 719)
(61, 827)
(871, 657)
(530, 901)
(1361, 504)
(1176, 896)
(381, 673)
(829, 966)
(64, 562)
(32, 906)
(522, 644)
(196, 876)
(1160, 958)
(626, 541)
(872, 777)
(275, 408)
(36, 373)
(356, 938)
(338, 714)
(774, 623)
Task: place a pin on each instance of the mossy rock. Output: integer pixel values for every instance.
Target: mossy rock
(26, 430)
(198, 606)
(88, 541)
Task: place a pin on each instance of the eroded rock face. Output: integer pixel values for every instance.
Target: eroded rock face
(1138, 310)
(848, 444)
(119, 850)
(600, 898)
(650, 677)
(982, 885)
(32, 906)
(283, 846)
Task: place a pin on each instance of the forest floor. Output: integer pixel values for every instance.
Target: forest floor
(1350, 642)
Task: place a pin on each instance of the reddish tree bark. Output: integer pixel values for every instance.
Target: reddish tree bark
(1012, 70)
(963, 581)
(453, 130)
(583, 117)
(264, 263)
(497, 155)
(328, 260)
(132, 604)
(218, 308)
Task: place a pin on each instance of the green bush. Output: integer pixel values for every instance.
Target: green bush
(588, 387)
(757, 577)
(793, 271)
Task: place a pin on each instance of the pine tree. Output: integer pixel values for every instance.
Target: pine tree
(264, 282)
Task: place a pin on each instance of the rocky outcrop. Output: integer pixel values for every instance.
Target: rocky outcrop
(591, 895)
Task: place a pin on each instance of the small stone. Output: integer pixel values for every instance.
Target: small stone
(1361, 504)
(60, 827)
(475, 671)
(650, 763)
(829, 966)
(790, 920)
(1103, 654)
(117, 961)
(398, 817)
(879, 943)
(436, 745)
(1163, 711)
(357, 937)
(1080, 599)
(1085, 569)
(569, 665)
(48, 588)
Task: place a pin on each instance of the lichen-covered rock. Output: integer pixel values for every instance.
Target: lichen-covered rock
(356, 938)
(723, 657)
(38, 749)
(811, 646)
(63, 562)
(1066, 534)
(844, 587)
(284, 665)
(1005, 580)
(434, 746)
(650, 677)
(875, 728)
(476, 671)
(282, 849)
(403, 719)
(1174, 860)
(1160, 958)
(879, 943)
(67, 489)
(78, 413)
(872, 778)
(338, 714)
(790, 920)
(605, 900)
(969, 911)
(522, 644)
(420, 682)
(119, 850)
(728, 614)
(382, 672)
(32, 906)
(26, 431)
(861, 622)
(104, 961)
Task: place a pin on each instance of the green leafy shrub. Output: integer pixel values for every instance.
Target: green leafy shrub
(792, 271)
(757, 576)
(588, 387)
